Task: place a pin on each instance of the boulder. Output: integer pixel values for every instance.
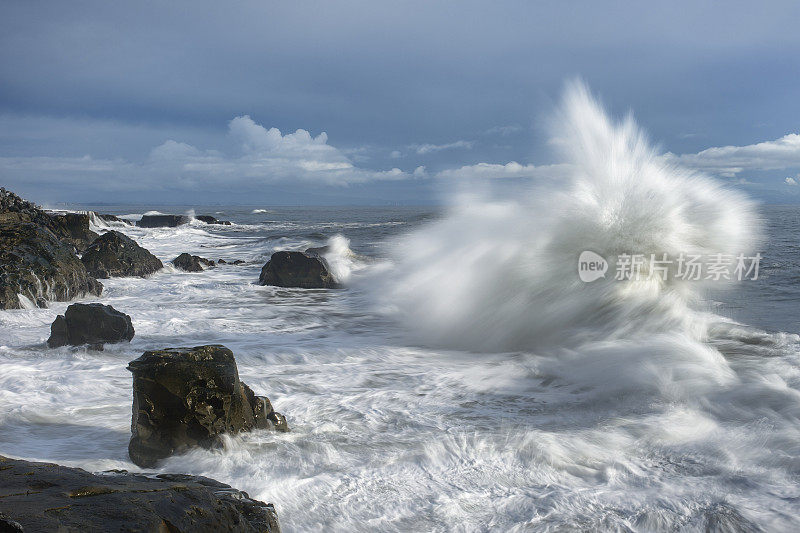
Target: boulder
(208, 219)
(187, 397)
(73, 228)
(94, 324)
(191, 263)
(162, 221)
(37, 260)
(297, 269)
(50, 497)
(114, 254)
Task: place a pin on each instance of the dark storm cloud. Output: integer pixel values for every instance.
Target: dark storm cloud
(384, 80)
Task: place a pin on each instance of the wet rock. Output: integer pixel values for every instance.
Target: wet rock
(114, 254)
(94, 324)
(113, 218)
(297, 269)
(74, 229)
(223, 262)
(208, 219)
(192, 263)
(162, 221)
(187, 397)
(36, 261)
(50, 497)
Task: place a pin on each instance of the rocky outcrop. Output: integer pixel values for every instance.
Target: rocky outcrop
(73, 228)
(208, 219)
(223, 262)
(192, 263)
(93, 324)
(162, 221)
(51, 497)
(114, 254)
(113, 218)
(36, 260)
(297, 269)
(187, 397)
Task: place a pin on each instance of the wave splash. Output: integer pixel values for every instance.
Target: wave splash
(502, 275)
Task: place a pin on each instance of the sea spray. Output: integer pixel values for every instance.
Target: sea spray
(501, 275)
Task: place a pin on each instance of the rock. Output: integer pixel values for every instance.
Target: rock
(238, 262)
(162, 221)
(50, 497)
(186, 397)
(114, 254)
(113, 218)
(297, 269)
(191, 263)
(74, 229)
(36, 259)
(208, 219)
(94, 324)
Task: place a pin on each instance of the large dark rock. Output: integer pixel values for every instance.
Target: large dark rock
(162, 221)
(94, 324)
(114, 254)
(192, 263)
(208, 219)
(186, 397)
(297, 269)
(36, 260)
(51, 497)
(74, 229)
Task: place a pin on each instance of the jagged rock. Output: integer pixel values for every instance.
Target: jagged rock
(94, 324)
(162, 221)
(297, 269)
(208, 219)
(50, 497)
(186, 397)
(191, 263)
(36, 260)
(74, 229)
(223, 262)
(114, 254)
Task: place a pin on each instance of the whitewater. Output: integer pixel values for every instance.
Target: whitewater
(467, 379)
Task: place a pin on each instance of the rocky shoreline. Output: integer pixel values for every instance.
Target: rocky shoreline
(38, 496)
(182, 397)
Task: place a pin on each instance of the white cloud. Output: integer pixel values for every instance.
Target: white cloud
(729, 161)
(504, 131)
(423, 149)
(395, 154)
(509, 170)
(791, 181)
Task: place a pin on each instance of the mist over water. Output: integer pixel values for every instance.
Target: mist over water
(467, 379)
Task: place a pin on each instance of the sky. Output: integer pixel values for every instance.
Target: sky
(371, 102)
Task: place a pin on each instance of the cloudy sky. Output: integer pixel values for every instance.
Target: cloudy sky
(351, 102)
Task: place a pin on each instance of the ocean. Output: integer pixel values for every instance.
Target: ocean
(465, 379)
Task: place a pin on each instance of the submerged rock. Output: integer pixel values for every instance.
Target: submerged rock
(186, 397)
(297, 269)
(114, 254)
(51, 497)
(162, 221)
(94, 324)
(74, 229)
(208, 219)
(35, 261)
(192, 263)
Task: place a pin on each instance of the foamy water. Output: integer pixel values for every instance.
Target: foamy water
(466, 380)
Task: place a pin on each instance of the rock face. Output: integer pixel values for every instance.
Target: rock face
(74, 229)
(114, 254)
(162, 221)
(185, 397)
(94, 324)
(192, 263)
(36, 261)
(50, 497)
(208, 219)
(297, 269)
